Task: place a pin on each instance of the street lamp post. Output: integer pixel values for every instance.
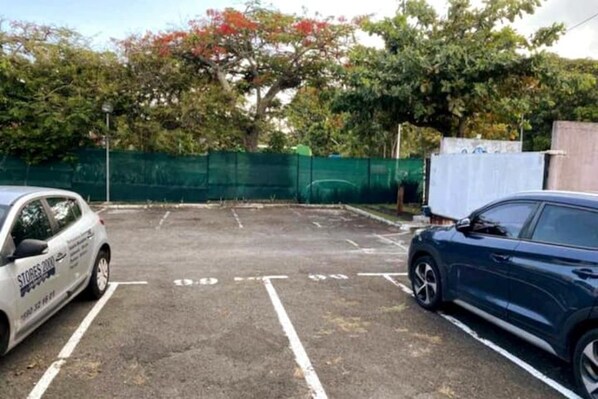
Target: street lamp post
(107, 108)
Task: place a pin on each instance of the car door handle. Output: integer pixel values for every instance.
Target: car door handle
(500, 258)
(90, 235)
(60, 256)
(585, 273)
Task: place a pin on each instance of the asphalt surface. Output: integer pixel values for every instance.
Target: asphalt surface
(204, 326)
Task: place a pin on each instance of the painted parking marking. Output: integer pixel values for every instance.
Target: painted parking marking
(101, 210)
(387, 240)
(309, 373)
(187, 282)
(375, 251)
(42, 385)
(162, 220)
(237, 218)
(322, 277)
(395, 234)
(317, 224)
(353, 243)
(202, 281)
(260, 278)
(496, 348)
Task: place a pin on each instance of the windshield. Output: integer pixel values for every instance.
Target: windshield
(3, 212)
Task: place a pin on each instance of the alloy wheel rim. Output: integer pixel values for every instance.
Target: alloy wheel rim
(102, 275)
(425, 283)
(589, 369)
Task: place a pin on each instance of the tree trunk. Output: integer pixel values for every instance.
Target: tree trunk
(252, 135)
(462, 127)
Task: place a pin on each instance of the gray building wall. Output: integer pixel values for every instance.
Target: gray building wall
(452, 145)
(576, 168)
(461, 183)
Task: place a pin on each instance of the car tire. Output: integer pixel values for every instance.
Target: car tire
(426, 283)
(585, 364)
(100, 276)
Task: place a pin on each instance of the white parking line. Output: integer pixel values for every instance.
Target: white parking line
(501, 351)
(395, 234)
(317, 224)
(381, 274)
(162, 220)
(399, 244)
(353, 243)
(101, 210)
(374, 251)
(52, 371)
(260, 278)
(237, 218)
(44, 382)
(313, 382)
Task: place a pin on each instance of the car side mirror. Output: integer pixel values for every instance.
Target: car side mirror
(463, 225)
(28, 248)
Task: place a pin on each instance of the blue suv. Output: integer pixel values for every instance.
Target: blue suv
(527, 263)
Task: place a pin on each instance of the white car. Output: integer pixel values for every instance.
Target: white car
(52, 247)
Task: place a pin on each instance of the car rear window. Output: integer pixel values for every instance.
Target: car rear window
(567, 226)
(66, 211)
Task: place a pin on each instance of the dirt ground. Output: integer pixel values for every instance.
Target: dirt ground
(207, 325)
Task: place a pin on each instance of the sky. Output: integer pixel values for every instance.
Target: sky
(105, 19)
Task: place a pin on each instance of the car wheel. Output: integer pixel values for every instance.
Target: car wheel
(100, 276)
(425, 282)
(585, 364)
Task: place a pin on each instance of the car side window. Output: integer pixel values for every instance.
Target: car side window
(66, 211)
(503, 220)
(567, 226)
(32, 223)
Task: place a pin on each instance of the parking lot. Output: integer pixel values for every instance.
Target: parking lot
(268, 303)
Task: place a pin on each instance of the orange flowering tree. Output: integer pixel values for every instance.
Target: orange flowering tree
(254, 55)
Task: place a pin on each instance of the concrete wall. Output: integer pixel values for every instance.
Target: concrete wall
(450, 145)
(577, 168)
(462, 183)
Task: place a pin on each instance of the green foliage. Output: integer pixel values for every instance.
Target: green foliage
(312, 122)
(162, 105)
(254, 56)
(278, 142)
(221, 84)
(49, 91)
(569, 91)
(441, 72)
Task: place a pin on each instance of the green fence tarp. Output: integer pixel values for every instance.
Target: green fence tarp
(136, 177)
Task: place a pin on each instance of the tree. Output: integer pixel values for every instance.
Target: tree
(50, 91)
(442, 73)
(569, 91)
(312, 122)
(255, 55)
(164, 105)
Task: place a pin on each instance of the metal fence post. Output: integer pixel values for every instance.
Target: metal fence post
(236, 175)
(311, 177)
(297, 195)
(208, 177)
(368, 197)
(27, 175)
